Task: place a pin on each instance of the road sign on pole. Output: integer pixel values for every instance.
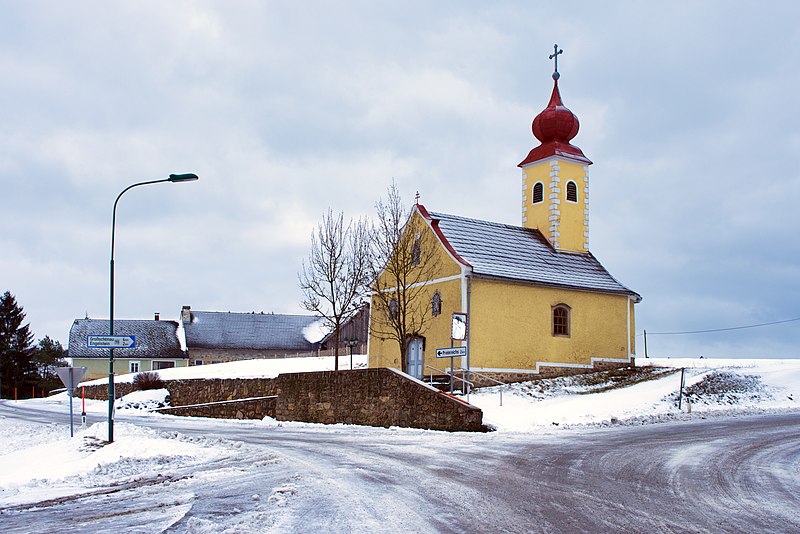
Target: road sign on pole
(70, 376)
(111, 342)
(451, 352)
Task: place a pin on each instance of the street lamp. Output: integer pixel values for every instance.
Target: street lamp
(175, 178)
(351, 343)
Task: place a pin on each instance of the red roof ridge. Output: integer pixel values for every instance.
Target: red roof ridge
(434, 223)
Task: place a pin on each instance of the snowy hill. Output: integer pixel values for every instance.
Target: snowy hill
(711, 386)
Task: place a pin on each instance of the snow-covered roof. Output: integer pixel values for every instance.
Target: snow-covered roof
(154, 339)
(257, 331)
(497, 250)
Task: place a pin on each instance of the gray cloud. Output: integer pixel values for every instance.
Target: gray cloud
(688, 111)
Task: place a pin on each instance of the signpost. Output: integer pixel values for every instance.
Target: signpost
(451, 352)
(111, 342)
(70, 376)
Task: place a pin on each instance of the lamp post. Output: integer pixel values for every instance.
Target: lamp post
(351, 343)
(175, 178)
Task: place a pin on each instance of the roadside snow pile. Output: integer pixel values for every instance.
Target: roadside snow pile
(726, 387)
(57, 466)
(147, 400)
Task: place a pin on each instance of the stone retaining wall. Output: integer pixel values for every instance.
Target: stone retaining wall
(198, 391)
(255, 408)
(373, 397)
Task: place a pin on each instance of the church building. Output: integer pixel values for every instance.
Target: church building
(536, 300)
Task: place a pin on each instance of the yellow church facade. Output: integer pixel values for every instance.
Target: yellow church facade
(537, 301)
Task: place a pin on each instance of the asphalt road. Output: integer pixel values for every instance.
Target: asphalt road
(737, 474)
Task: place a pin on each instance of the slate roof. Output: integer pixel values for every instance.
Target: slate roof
(496, 250)
(154, 339)
(257, 331)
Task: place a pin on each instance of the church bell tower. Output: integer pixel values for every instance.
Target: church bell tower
(555, 178)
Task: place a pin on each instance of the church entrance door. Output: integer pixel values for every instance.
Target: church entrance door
(415, 358)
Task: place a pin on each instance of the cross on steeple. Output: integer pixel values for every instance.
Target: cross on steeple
(416, 198)
(554, 55)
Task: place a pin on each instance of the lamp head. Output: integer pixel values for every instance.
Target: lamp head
(188, 177)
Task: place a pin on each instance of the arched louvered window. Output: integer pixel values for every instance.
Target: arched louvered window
(561, 320)
(538, 192)
(416, 252)
(572, 191)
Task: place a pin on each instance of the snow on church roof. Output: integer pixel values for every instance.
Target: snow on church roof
(497, 250)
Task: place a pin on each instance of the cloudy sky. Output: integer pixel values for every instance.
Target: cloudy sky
(689, 111)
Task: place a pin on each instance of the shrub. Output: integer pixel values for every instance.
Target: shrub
(147, 380)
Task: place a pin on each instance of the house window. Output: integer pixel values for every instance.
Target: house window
(133, 367)
(572, 192)
(163, 365)
(561, 320)
(416, 252)
(198, 362)
(436, 303)
(393, 310)
(538, 192)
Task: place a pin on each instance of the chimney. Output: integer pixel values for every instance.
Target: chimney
(186, 314)
(157, 316)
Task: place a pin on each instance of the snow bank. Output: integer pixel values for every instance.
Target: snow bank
(52, 464)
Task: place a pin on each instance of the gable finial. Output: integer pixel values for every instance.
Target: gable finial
(554, 55)
(416, 197)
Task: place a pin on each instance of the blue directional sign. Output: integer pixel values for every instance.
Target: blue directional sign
(111, 342)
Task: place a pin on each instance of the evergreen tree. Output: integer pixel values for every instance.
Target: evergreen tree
(17, 368)
(47, 356)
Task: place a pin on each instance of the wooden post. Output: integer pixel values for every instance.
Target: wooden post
(680, 391)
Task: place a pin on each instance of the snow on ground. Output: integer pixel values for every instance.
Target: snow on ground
(42, 462)
(752, 385)
(262, 368)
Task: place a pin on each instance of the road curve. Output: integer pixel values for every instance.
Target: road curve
(732, 474)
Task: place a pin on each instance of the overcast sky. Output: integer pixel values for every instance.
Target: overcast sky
(689, 111)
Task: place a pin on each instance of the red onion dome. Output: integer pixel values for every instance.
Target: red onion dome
(556, 122)
(555, 127)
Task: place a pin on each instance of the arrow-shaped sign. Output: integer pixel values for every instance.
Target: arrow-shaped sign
(452, 352)
(111, 342)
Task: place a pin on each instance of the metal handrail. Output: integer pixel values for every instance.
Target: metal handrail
(451, 375)
(488, 378)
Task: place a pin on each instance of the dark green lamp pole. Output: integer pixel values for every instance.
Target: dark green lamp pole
(175, 178)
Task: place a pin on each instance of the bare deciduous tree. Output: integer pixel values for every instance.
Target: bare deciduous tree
(336, 276)
(404, 259)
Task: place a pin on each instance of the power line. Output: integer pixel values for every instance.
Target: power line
(721, 329)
